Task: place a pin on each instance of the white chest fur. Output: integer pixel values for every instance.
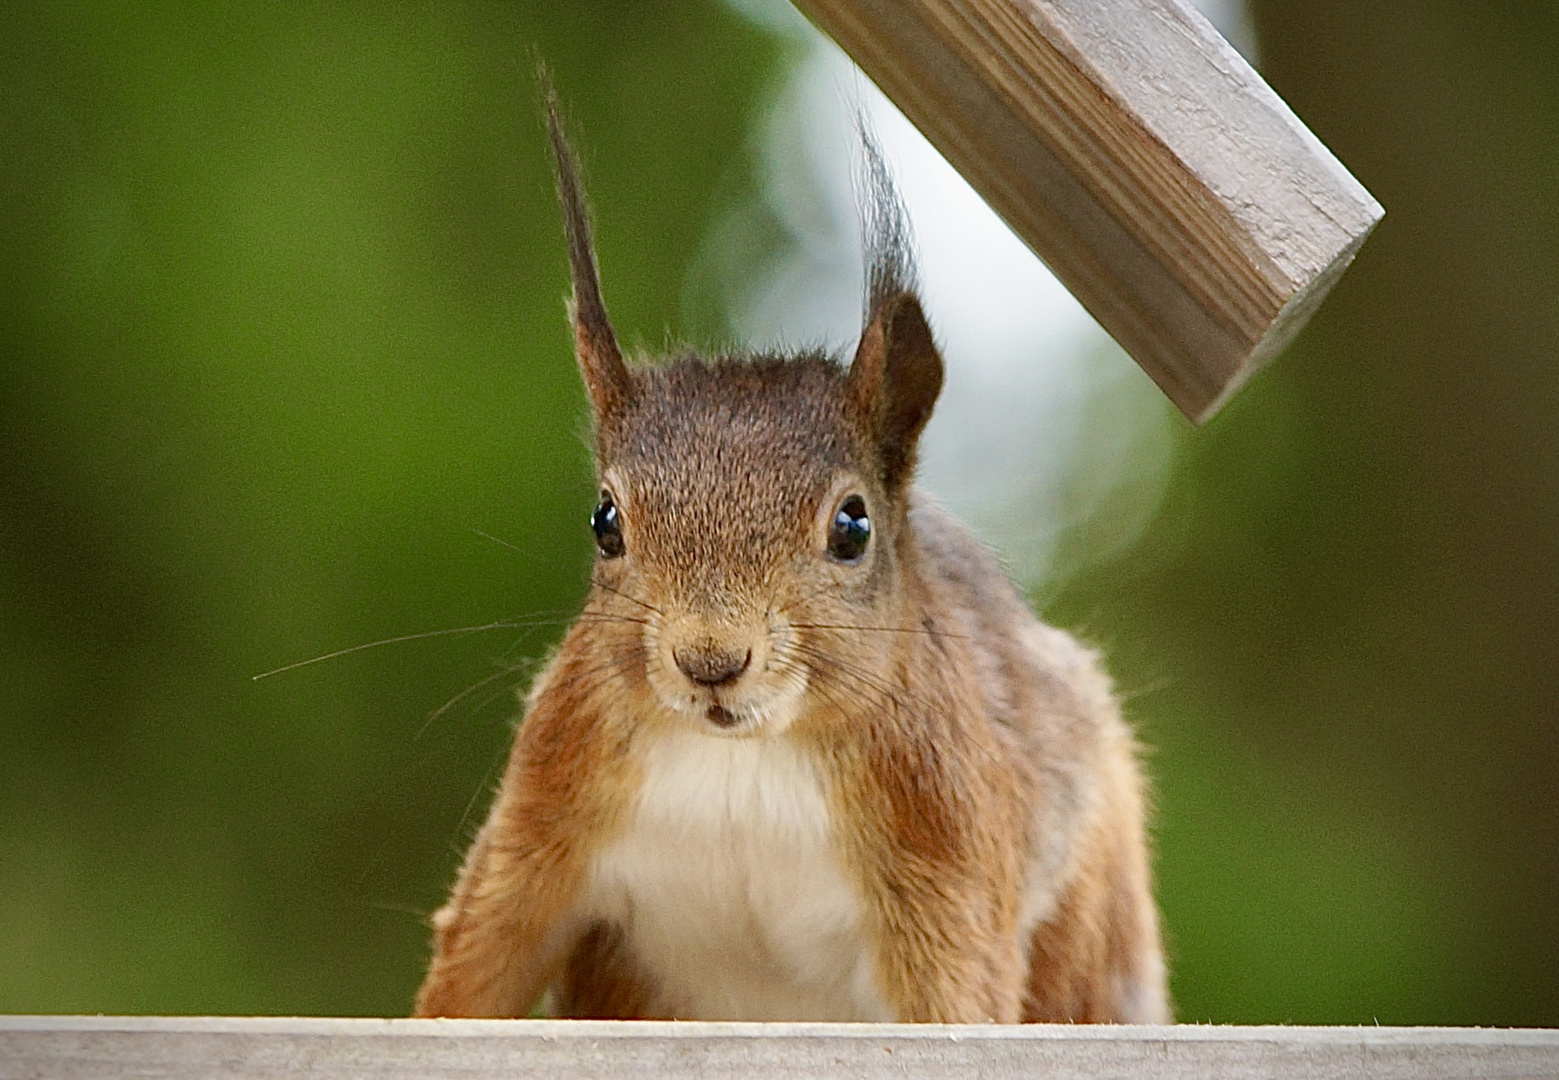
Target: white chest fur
(729, 890)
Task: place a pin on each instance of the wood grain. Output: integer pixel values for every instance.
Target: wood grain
(1139, 155)
(68, 1047)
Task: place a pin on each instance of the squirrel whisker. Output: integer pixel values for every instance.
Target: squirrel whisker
(878, 629)
(598, 583)
(482, 788)
(502, 624)
(463, 695)
(914, 706)
(863, 677)
(827, 586)
(513, 668)
(811, 651)
(590, 680)
(611, 616)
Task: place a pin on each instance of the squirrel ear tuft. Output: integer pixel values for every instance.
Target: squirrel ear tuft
(606, 376)
(894, 381)
(897, 372)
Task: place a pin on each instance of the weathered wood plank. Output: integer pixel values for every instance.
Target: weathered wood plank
(68, 1047)
(1139, 155)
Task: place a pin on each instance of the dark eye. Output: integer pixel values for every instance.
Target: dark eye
(850, 531)
(608, 529)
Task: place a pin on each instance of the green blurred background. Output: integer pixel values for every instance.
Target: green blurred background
(281, 339)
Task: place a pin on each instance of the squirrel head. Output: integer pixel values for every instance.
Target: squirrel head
(754, 549)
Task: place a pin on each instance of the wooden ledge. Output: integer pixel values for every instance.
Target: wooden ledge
(277, 1047)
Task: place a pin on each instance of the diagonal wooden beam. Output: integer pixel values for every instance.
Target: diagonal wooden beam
(1140, 156)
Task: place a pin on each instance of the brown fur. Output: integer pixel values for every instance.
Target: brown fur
(982, 791)
(602, 980)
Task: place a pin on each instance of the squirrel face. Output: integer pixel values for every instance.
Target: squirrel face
(740, 510)
(751, 506)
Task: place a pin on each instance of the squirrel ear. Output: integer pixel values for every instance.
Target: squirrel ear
(600, 360)
(895, 379)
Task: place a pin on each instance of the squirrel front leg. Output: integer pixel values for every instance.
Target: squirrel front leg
(508, 925)
(948, 955)
(501, 934)
(943, 887)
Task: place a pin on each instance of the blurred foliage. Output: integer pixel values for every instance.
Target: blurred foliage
(283, 369)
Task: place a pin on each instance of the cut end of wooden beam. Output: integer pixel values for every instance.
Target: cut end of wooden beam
(1138, 155)
(1291, 319)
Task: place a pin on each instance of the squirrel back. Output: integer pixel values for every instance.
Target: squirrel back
(806, 754)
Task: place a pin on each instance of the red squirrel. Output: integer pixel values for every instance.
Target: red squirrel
(805, 754)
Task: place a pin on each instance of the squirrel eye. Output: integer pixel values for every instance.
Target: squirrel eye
(850, 531)
(608, 528)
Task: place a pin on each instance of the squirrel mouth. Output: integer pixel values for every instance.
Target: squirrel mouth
(719, 716)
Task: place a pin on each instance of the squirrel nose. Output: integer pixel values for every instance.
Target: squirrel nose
(710, 664)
